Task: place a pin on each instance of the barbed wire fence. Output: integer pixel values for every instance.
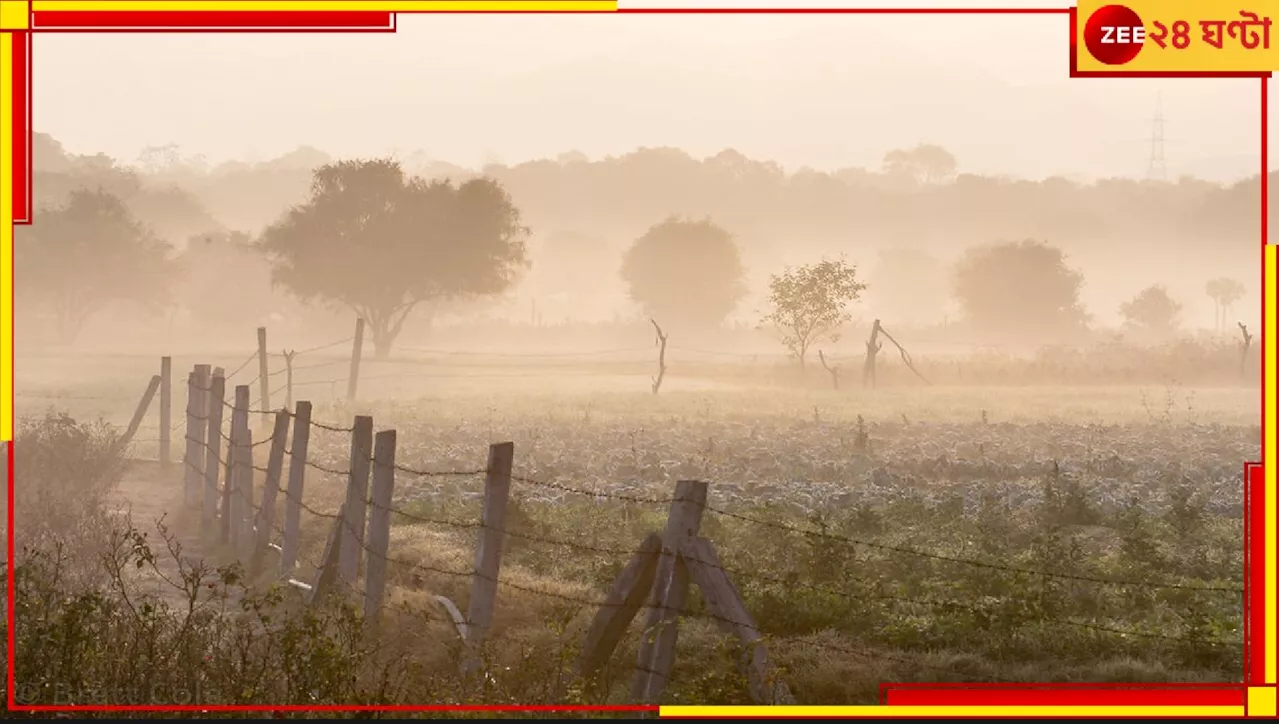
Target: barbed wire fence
(221, 468)
(222, 463)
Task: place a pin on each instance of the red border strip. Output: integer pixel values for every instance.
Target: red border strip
(239, 21)
(20, 67)
(1063, 695)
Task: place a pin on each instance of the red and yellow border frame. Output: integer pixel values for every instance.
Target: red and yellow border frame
(1255, 696)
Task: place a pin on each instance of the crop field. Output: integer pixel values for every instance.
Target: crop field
(942, 532)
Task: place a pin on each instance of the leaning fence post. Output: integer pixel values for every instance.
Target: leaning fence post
(357, 492)
(379, 535)
(138, 414)
(484, 582)
(670, 590)
(229, 527)
(264, 386)
(212, 454)
(266, 520)
(357, 348)
(166, 404)
(293, 494)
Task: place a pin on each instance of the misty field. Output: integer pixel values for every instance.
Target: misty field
(908, 533)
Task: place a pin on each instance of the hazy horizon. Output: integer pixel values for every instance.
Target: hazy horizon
(606, 85)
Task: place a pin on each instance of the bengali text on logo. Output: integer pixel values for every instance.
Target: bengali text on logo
(1175, 36)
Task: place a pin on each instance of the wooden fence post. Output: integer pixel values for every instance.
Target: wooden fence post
(212, 454)
(725, 603)
(293, 494)
(379, 535)
(229, 525)
(138, 414)
(191, 453)
(244, 492)
(204, 378)
(327, 575)
(625, 597)
(357, 349)
(484, 582)
(166, 411)
(357, 493)
(288, 379)
(270, 490)
(264, 386)
(670, 590)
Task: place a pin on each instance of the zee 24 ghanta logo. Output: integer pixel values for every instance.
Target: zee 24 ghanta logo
(1115, 34)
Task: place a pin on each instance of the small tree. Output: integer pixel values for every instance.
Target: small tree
(1152, 311)
(380, 243)
(807, 303)
(81, 256)
(1224, 293)
(685, 273)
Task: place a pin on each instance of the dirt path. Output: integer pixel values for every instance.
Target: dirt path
(152, 496)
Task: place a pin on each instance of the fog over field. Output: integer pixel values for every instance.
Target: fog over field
(966, 380)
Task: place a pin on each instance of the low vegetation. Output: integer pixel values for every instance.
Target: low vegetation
(871, 540)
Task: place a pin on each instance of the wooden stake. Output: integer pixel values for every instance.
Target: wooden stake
(264, 382)
(327, 574)
(357, 349)
(232, 512)
(293, 496)
(662, 356)
(670, 590)
(139, 412)
(166, 410)
(357, 493)
(484, 582)
(212, 455)
(725, 603)
(625, 597)
(191, 469)
(266, 521)
(379, 535)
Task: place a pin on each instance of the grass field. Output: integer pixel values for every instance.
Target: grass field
(1087, 533)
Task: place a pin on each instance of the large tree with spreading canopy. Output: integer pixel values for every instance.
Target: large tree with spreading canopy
(379, 242)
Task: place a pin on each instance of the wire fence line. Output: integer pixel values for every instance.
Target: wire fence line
(367, 531)
(217, 459)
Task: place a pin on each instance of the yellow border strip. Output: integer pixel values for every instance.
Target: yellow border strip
(6, 240)
(398, 6)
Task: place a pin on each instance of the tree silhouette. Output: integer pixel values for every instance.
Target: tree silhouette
(926, 164)
(685, 273)
(81, 256)
(807, 303)
(380, 243)
(1152, 311)
(1224, 293)
(1019, 289)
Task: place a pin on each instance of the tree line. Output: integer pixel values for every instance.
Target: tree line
(382, 242)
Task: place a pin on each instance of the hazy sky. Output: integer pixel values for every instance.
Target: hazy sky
(825, 91)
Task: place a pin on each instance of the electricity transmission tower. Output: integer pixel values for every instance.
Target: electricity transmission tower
(1156, 170)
